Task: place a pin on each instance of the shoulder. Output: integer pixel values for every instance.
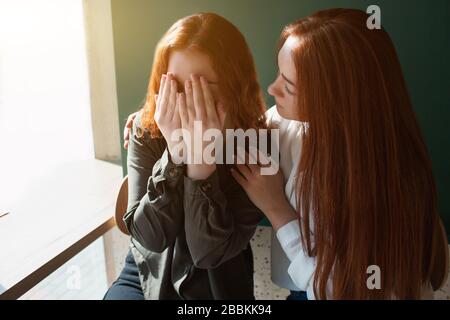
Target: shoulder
(137, 128)
(272, 117)
(286, 126)
(141, 136)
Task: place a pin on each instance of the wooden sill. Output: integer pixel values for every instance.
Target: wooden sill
(56, 217)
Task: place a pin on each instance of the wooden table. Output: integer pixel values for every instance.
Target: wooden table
(52, 218)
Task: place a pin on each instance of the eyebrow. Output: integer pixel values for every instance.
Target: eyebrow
(287, 80)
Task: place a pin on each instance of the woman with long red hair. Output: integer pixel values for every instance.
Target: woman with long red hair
(364, 194)
(191, 224)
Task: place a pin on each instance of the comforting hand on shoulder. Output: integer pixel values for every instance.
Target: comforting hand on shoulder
(265, 191)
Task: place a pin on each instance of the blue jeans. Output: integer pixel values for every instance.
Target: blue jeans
(297, 295)
(128, 285)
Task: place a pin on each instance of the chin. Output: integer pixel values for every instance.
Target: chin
(282, 112)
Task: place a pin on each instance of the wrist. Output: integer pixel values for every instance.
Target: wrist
(200, 171)
(175, 153)
(281, 214)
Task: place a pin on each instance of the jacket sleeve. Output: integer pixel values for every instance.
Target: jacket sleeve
(218, 225)
(155, 212)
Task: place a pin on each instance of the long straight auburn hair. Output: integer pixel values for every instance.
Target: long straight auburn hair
(231, 59)
(364, 168)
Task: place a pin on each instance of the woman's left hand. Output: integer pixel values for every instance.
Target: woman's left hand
(197, 105)
(266, 192)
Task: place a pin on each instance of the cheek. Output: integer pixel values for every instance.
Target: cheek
(293, 106)
(296, 112)
(292, 101)
(289, 110)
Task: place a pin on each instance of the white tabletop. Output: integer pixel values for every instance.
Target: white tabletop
(51, 218)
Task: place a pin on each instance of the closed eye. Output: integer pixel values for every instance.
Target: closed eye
(287, 90)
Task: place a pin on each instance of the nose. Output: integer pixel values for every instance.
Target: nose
(275, 90)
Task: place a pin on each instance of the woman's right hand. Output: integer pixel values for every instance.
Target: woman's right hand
(127, 129)
(265, 191)
(166, 114)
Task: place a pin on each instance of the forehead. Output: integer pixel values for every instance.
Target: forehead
(285, 60)
(183, 63)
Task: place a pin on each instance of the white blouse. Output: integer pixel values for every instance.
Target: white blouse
(290, 133)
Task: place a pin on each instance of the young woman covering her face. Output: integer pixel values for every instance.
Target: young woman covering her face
(191, 224)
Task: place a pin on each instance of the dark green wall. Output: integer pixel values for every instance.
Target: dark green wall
(420, 30)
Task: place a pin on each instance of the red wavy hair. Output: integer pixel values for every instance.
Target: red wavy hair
(231, 59)
(365, 169)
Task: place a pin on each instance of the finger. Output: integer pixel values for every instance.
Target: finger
(199, 102)
(220, 109)
(176, 113)
(159, 95)
(240, 179)
(244, 170)
(128, 125)
(251, 160)
(127, 129)
(126, 134)
(172, 99)
(182, 109)
(162, 84)
(241, 165)
(252, 156)
(164, 97)
(243, 157)
(189, 100)
(130, 120)
(210, 108)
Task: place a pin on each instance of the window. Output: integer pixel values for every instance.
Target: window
(57, 193)
(44, 91)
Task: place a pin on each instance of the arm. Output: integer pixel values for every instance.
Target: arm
(219, 217)
(267, 192)
(218, 224)
(302, 267)
(154, 215)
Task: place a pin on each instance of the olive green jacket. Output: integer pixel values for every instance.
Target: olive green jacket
(189, 238)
